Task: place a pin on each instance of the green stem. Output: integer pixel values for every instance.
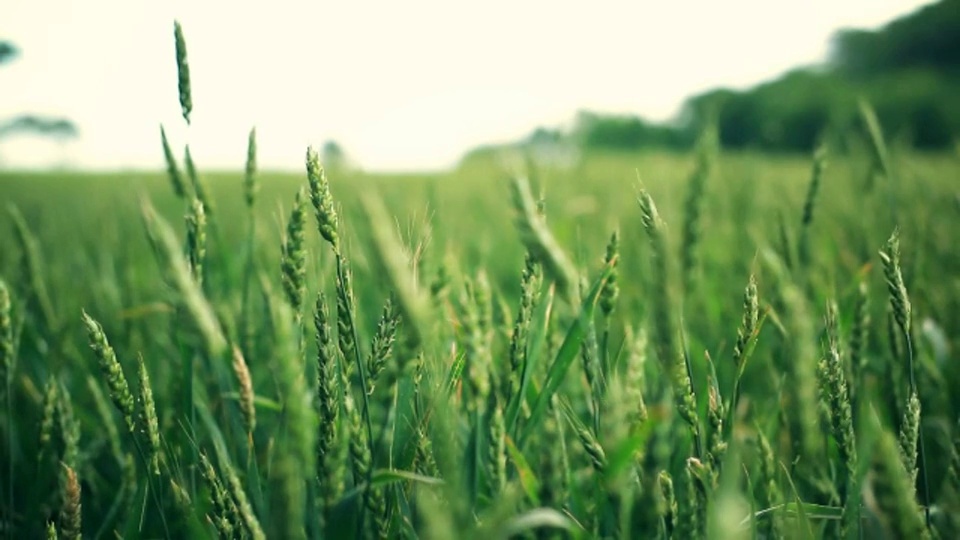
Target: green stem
(363, 390)
(247, 278)
(10, 499)
(696, 426)
(734, 402)
(923, 449)
(153, 492)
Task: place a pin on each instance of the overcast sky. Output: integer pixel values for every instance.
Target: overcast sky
(400, 85)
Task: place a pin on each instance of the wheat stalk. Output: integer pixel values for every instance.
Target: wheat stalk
(746, 337)
(892, 490)
(671, 356)
(902, 311)
(519, 337)
(816, 177)
(68, 426)
(835, 394)
(196, 239)
(610, 292)
(111, 370)
(245, 383)
(70, 524)
(768, 490)
(328, 407)
(250, 184)
(858, 339)
(183, 72)
(293, 260)
(382, 345)
(668, 511)
(707, 151)
(226, 515)
(322, 201)
(173, 171)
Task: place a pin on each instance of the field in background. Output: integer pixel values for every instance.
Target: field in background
(89, 226)
(91, 253)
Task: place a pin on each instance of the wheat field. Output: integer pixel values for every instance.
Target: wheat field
(637, 345)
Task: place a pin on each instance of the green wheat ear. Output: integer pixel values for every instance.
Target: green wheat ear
(322, 200)
(893, 490)
(858, 338)
(768, 490)
(635, 345)
(670, 354)
(294, 257)
(912, 438)
(69, 426)
(835, 393)
(816, 178)
(746, 336)
(250, 185)
(611, 291)
(245, 384)
(668, 507)
(110, 367)
(899, 300)
(708, 149)
(148, 419)
(225, 516)
(328, 405)
(196, 219)
(183, 72)
(7, 349)
(70, 510)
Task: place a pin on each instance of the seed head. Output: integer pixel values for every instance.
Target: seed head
(293, 263)
(196, 239)
(899, 300)
(242, 372)
(110, 367)
(250, 185)
(70, 511)
(183, 72)
(611, 291)
(6, 339)
(322, 200)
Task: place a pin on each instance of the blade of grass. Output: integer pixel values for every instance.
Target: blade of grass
(385, 477)
(567, 353)
(799, 505)
(538, 335)
(539, 518)
(528, 479)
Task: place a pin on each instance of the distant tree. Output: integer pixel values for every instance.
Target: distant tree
(332, 154)
(61, 129)
(928, 38)
(7, 51)
(543, 135)
(625, 132)
(58, 128)
(909, 70)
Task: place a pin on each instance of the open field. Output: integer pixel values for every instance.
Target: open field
(523, 378)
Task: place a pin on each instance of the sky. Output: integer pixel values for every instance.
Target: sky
(399, 85)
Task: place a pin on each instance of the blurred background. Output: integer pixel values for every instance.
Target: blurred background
(86, 85)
